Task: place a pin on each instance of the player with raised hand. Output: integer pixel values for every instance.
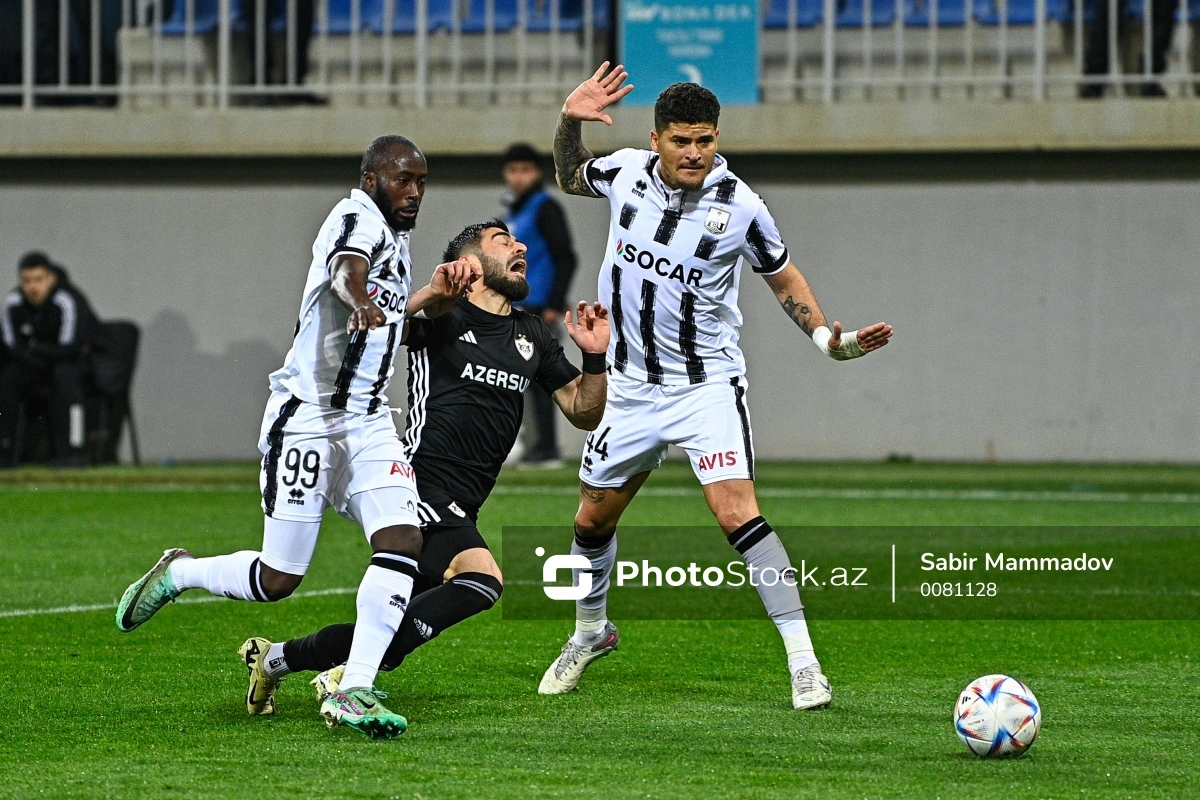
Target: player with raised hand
(327, 435)
(469, 370)
(681, 225)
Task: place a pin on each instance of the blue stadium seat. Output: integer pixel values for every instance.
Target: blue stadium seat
(949, 12)
(808, 13)
(600, 13)
(1137, 10)
(476, 19)
(570, 14)
(851, 13)
(1021, 12)
(204, 20)
(340, 16)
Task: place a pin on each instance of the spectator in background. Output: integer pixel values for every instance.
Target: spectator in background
(1096, 55)
(47, 327)
(537, 219)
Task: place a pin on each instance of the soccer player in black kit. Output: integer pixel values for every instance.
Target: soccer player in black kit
(468, 372)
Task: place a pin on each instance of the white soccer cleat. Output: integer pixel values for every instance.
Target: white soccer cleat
(810, 689)
(564, 674)
(327, 682)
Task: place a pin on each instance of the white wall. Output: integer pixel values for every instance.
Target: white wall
(1034, 319)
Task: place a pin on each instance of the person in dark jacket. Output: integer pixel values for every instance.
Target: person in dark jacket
(537, 219)
(47, 327)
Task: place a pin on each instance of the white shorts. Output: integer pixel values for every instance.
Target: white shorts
(315, 457)
(709, 421)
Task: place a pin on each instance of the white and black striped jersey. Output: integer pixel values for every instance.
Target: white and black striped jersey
(327, 366)
(672, 267)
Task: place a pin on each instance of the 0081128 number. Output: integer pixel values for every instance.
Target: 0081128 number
(958, 589)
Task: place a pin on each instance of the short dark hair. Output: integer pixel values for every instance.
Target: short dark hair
(379, 152)
(690, 103)
(522, 152)
(470, 239)
(34, 258)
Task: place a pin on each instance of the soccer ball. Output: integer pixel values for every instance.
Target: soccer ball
(997, 717)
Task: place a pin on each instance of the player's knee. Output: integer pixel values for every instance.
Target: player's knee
(734, 516)
(478, 560)
(590, 525)
(403, 539)
(278, 585)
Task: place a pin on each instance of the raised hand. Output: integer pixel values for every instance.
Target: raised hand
(454, 279)
(591, 331)
(588, 101)
(870, 338)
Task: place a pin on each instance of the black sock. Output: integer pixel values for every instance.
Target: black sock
(435, 610)
(462, 597)
(320, 651)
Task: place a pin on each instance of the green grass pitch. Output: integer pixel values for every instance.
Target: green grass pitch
(684, 709)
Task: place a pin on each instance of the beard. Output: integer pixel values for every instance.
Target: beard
(513, 288)
(397, 222)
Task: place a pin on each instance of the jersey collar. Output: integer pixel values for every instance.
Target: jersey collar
(365, 199)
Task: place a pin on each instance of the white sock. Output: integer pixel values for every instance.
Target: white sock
(591, 613)
(237, 576)
(761, 548)
(383, 598)
(797, 643)
(274, 662)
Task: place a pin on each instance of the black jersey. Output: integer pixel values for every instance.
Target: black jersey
(467, 373)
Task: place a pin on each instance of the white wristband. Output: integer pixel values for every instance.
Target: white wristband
(849, 347)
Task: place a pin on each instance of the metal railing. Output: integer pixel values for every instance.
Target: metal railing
(150, 53)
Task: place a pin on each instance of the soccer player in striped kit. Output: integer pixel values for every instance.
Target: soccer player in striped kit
(328, 438)
(681, 225)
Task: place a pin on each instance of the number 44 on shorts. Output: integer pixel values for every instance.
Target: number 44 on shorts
(597, 443)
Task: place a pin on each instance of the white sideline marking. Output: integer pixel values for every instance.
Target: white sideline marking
(34, 612)
(1004, 495)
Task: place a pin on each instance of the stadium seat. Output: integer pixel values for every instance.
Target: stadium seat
(341, 16)
(949, 12)
(808, 13)
(114, 360)
(205, 17)
(404, 16)
(475, 20)
(1021, 12)
(1137, 10)
(570, 14)
(852, 13)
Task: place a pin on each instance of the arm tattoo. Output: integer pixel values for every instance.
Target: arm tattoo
(799, 313)
(592, 494)
(570, 156)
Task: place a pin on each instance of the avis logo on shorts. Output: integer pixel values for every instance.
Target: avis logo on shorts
(713, 460)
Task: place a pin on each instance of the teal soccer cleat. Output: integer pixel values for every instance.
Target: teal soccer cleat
(362, 710)
(149, 593)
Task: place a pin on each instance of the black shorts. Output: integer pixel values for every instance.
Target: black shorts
(448, 531)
